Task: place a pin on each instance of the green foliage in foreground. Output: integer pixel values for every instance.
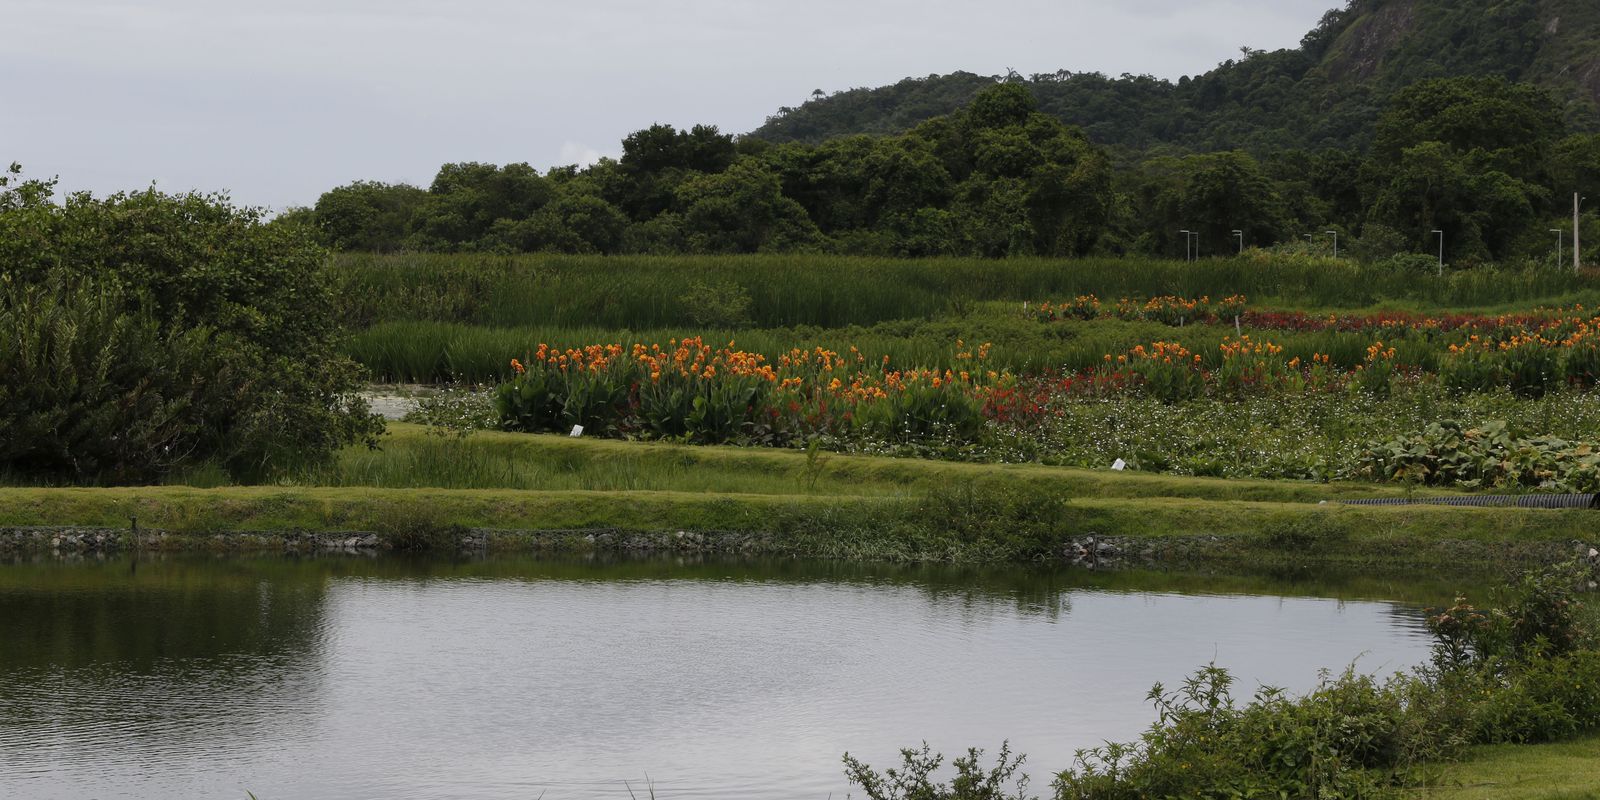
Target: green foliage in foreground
(1523, 673)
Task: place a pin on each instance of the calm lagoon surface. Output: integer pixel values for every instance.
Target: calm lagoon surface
(353, 677)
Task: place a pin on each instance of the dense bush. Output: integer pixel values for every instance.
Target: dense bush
(91, 391)
(143, 331)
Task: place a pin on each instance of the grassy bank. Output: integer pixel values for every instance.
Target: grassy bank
(1565, 771)
(944, 528)
(412, 458)
(789, 503)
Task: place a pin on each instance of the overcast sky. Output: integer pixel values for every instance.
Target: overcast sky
(278, 101)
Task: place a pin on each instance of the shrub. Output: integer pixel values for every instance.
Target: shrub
(92, 393)
(455, 412)
(717, 305)
(144, 331)
(1334, 742)
(913, 780)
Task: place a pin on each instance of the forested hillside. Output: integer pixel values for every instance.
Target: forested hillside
(1351, 138)
(1326, 93)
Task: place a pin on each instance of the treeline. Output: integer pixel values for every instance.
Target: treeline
(1489, 162)
(997, 178)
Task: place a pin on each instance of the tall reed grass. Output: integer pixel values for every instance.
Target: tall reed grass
(641, 292)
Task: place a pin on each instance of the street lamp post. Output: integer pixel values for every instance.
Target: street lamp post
(1441, 253)
(1185, 245)
(1335, 243)
(1557, 232)
(1577, 230)
(1240, 234)
(1196, 235)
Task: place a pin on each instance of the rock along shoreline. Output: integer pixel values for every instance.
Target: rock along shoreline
(1086, 550)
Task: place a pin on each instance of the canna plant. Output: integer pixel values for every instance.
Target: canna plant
(691, 391)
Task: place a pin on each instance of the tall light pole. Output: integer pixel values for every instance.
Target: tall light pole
(1335, 243)
(1196, 235)
(1185, 245)
(1240, 234)
(1577, 230)
(1559, 234)
(1441, 253)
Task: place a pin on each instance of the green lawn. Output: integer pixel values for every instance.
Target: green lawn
(411, 458)
(1568, 771)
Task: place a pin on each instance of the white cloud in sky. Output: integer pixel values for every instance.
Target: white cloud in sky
(581, 154)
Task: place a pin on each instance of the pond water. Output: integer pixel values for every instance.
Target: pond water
(349, 677)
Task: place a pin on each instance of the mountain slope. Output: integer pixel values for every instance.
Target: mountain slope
(1325, 93)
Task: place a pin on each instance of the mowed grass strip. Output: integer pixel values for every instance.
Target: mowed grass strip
(411, 457)
(1564, 771)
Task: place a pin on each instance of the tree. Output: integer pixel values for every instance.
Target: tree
(1434, 187)
(467, 199)
(1025, 182)
(1577, 164)
(743, 210)
(659, 158)
(1500, 125)
(368, 215)
(1224, 192)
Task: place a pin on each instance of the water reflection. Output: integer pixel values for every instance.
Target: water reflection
(358, 677)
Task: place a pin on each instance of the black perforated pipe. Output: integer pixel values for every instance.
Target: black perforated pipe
(1590, 501)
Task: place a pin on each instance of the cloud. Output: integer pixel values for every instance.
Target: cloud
(580, 154)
